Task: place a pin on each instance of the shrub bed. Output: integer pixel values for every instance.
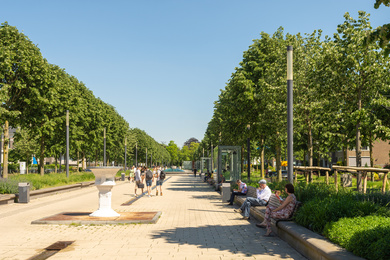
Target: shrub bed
(316, 213)
(367, 236)
(10, 185)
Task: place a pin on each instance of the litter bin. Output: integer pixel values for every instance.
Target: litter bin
(123, 176)
(225, 191)
(24, 192)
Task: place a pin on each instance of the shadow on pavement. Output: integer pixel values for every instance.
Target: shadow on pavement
(238, 239)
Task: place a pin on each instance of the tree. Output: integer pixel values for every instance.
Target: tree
(382, 33)
(25, 145)
(365, 75)
(173, 151)
(190, 141)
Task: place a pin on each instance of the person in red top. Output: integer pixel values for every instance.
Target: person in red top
(242, 190)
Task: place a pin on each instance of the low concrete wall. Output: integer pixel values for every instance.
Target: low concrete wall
(305, 241)
(11, 198)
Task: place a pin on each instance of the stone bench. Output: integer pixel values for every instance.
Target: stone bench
(308, 243)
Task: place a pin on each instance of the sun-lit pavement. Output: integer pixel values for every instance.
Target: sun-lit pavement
(194, 224)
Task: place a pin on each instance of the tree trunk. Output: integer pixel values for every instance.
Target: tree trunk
(83, 163)
(96, 157)
(42, 157)
(55, 165)
(262, 159)
(60, 170)
(358, 145)
(5, 150)
(278, 157)
(371, 157)
(310, 146)
(77, 163)
(345, 163)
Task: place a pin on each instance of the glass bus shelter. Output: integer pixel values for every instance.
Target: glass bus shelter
(205, 164)
(229, 163)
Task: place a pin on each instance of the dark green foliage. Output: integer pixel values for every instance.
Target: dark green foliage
(306, 192)
(375, 197)
(367, 236)
(316, 213)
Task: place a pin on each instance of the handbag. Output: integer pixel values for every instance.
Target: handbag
(141, 185)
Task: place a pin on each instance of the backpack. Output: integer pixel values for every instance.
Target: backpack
(162, 175)
(149, 175)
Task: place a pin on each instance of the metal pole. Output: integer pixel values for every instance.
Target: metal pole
(125, 152)
(1, 153)
(104, 147)
(249, 153)
(290, 132)
(67, 143)
(146, 157)
(212, 158)
(249, 158)
(136, 155)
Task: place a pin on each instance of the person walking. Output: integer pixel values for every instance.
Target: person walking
(159, 180)
(131, 174)
(138, 181)
(149, 180)
(263, 193)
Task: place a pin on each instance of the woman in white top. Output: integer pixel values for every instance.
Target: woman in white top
(159, 182)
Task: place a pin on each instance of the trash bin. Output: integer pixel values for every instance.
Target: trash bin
(123, 176)
(24, 192)
(225, 191)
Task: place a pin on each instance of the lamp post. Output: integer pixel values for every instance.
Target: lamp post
(248, 127)
(136, 155)
(67, 144)
(125, 152)
(104, 147)
(290, 136)
(146, 157)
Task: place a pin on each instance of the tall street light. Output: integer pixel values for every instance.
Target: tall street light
(125, 152)
(290, 136)
(248, 127)
(104, 147)
(67, 143)
(136, 155)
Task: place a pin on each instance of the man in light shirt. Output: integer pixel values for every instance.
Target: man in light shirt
(263, 193)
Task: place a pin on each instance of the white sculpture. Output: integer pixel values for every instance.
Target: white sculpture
(104, 181)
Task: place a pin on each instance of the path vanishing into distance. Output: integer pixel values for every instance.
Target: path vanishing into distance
(194, 224)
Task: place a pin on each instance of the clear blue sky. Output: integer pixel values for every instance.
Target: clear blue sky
(162, 63)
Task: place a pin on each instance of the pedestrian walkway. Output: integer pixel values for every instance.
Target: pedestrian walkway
(194, 224)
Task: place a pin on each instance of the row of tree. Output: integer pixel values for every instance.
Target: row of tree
(341, 94)
(34, 97)
(186, 153)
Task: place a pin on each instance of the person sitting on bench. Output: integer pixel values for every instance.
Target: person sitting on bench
(263, 193)
(284, 211)
(242, 190)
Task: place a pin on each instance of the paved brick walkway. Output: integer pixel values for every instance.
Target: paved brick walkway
(194, 224)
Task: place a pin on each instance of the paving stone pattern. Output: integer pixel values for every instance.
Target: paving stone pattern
(194, 224)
